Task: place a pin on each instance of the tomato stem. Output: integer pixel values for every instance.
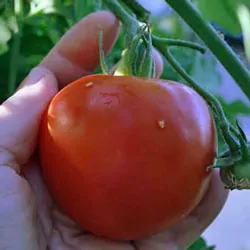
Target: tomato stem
(163, 46)
(139, 57)
(244, 144)
(141, 13)
(214, 42)
(180, 43)
(143, 55)
(129, 22)
(235, 170)
(103, 64)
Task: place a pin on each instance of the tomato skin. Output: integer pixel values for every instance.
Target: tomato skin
(126, 157)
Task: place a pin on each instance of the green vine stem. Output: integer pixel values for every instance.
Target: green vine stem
(214, 104)
(214, 42)
(131, 24)
(141, 13)
(103, 64)
(235, 167)
(15, 48)
(163, 46)
(180, 43)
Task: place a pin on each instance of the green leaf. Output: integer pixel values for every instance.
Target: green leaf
(201, 71)
(200, 244)
(185, 57)
(234, 109)
(222, 12)
(3, 48)
(35, 41)
(85, 7)
(4, 31)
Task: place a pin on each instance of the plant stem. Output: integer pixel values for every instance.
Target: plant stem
(15, 49)
(181, 43)
(163, 46)
(141, 13)
(129, 22)
(217, 46)
(214, 104)
(103, 64)
(136, 32)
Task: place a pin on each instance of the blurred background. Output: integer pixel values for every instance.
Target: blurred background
(28, 32)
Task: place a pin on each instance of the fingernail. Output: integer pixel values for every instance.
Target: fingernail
(35, 75)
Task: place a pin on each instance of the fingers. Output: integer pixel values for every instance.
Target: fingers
(158, 63)
(189, 229)
(77, 53)
(17, 213)
(214, 200)
(20, 116)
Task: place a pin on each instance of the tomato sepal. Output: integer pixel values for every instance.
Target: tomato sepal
(232, 179)
(226, 162)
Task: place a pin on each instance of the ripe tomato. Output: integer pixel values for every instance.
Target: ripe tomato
(126, 157)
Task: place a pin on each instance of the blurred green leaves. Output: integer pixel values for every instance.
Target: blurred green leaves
(85, 7)
(233, 16)
(5, 36)
(203, 68)
(223, 13)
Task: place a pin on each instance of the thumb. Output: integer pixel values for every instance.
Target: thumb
(20, 116)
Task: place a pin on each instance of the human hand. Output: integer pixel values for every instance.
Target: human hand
(29, 219)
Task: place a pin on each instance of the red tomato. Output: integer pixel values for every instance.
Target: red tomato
(126, 157)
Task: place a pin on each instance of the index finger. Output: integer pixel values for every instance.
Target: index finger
(77, 52)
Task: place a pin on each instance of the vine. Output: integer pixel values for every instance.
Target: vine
(238, 151)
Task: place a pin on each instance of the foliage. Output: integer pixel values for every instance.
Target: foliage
(45, 22)
(200, 244)
(218, 12)
(231, 16)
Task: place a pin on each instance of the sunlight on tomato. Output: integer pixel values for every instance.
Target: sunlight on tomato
(126, 157)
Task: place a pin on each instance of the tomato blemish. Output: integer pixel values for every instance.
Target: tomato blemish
(161, 124)
(89, 84)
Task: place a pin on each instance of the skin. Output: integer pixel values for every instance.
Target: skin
(29, 218)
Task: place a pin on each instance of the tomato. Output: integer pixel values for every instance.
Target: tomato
(126, 157)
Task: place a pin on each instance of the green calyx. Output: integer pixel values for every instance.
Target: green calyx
(137, 59)
(237, 176)
(235, 166)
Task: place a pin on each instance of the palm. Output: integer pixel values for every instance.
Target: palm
(56, 231)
